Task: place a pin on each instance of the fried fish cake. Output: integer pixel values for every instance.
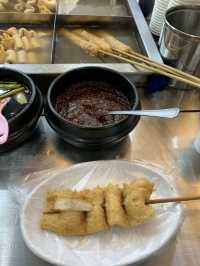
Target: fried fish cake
(139, 183)
(65, 223)
(113, 42)
(90, 37)
(90, 47)
(114, 206)
(96, 218)
(53, 195)
(135, 195)
(68, 222)
(93, 210)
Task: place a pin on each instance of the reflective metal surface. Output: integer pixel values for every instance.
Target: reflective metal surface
(67, 52)
(180, 39)
(55, 69)
(143, 31)
(9, 18)
(129, 27)
(92, 7)
(38, 22)
(166, 142)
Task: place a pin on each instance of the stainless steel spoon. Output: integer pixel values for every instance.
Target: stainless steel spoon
(164, 113)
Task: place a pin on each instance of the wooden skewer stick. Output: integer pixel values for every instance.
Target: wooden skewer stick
(176, 199)
(150, 201)
(164, 67)
(162, 72)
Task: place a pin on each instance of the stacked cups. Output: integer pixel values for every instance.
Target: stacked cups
(157, 18)
(158, 14)
(183, 2)
(180, 40)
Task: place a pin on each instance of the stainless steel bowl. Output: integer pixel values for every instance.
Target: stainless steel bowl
(180, 39)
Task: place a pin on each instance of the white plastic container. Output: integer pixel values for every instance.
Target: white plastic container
(157, 18)
(183, 2)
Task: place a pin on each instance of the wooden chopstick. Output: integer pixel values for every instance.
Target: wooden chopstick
(190, 111)
(176, 199)
(156, 70)
(164, 67)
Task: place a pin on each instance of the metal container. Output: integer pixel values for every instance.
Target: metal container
(180, 40)
(130, 27)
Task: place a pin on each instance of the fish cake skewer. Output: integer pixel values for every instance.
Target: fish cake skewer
(113, 42)
(110, 206)
(92, 48)
(93, 39)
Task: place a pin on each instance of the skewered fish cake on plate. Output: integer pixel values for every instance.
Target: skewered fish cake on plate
(118, 246)
(111, 205)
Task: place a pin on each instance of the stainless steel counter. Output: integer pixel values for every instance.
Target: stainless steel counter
(168, 143)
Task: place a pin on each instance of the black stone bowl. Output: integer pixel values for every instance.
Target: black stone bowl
(22, 124)
(85, 137)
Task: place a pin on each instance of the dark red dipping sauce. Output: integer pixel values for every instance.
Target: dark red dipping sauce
(85, 104)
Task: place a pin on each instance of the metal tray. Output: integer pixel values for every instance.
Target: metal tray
(10, 6)
(67, 52)
(93, 7)
(132, 29)
(40, 24)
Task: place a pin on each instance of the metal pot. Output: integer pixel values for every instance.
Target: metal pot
(180, 39)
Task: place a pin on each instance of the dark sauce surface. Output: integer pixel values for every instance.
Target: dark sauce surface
(86, 104)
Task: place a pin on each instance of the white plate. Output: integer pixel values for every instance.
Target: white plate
(116, 247)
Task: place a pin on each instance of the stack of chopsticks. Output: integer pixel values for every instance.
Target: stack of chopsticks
(137, 59)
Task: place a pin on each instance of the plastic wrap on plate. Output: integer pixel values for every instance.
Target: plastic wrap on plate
(117, 246)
